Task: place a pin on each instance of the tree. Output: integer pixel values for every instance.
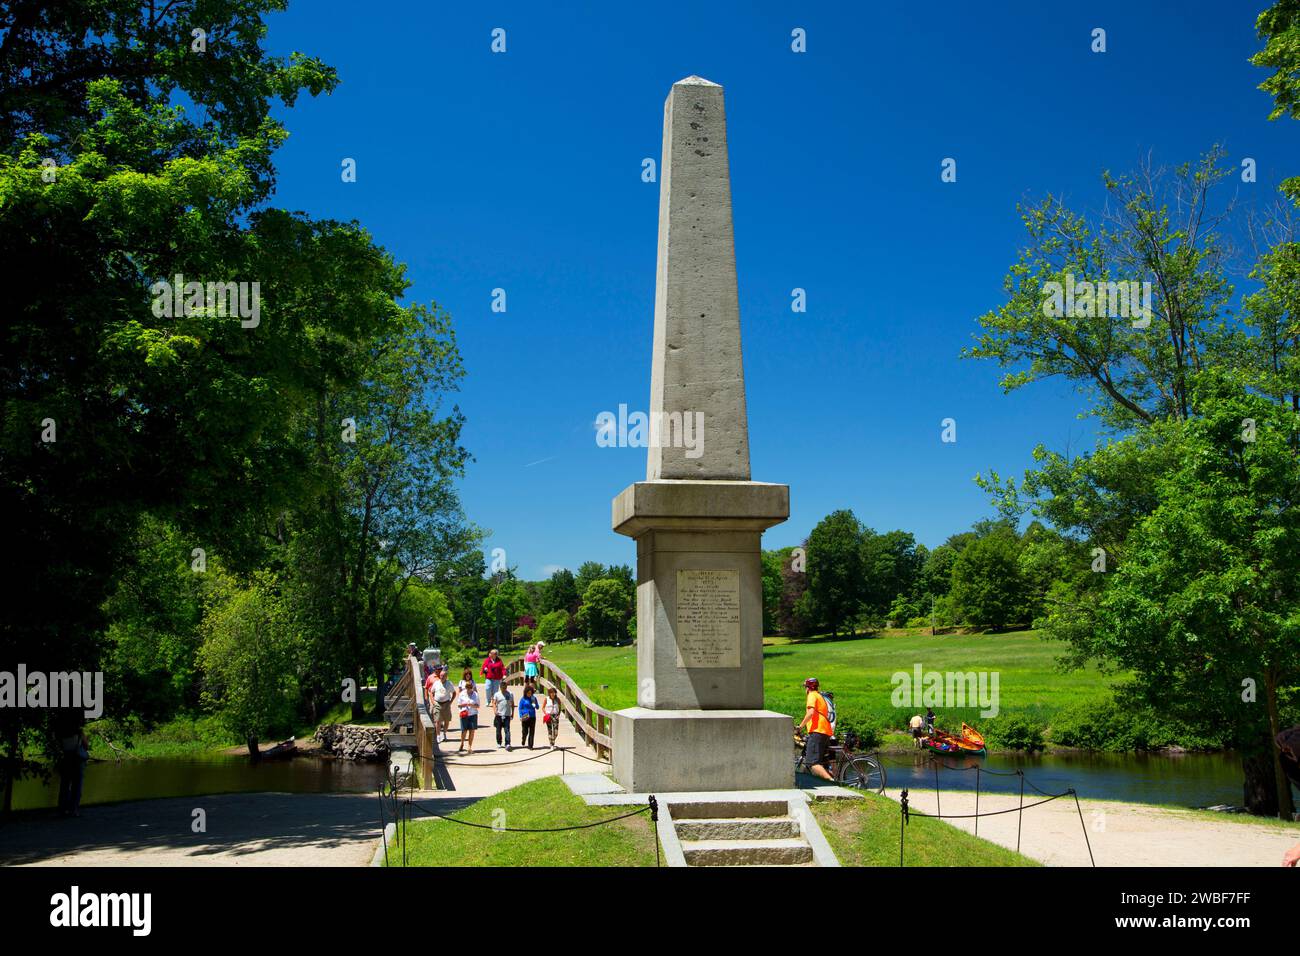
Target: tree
(891, 567)
(560, 593)
(606, 607)
(986, 585)
(835, 580)
(249, 660)
(588, 571)
(111, 412)
(1205, 609)
(502, 608)
(1142, 383)
(553, 627)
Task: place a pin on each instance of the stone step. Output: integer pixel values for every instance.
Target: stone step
(790, 852)
(401, 740)
(712, 810)
(738, 828)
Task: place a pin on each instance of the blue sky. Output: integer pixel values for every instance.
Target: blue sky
(522, 171)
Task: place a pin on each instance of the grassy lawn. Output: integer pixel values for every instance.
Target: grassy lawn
(859, 670)
(866, 833)
(538, 804)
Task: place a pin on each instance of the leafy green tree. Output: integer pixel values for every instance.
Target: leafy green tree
(1144, 384)
(249, 659)
(891, 566)
(606, 606)
(987, 588)
(560, 593)
(502, 607)
(588, 571)
(936, 572)
(835, 578)
(111, 412)
(1205, 608)
(553, 627)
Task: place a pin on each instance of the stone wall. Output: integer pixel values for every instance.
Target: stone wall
(351, 742)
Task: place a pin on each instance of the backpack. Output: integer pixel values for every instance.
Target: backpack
(829, 697)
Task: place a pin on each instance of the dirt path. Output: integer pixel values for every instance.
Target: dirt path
(1121, 834)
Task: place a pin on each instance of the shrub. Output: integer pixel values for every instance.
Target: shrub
(1014, 732)
(867, 728)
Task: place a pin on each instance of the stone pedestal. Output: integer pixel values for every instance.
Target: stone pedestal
(699, 723)
(680, 751)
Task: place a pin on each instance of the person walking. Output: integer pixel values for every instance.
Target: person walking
(551, 715)
(503, 703)
(72, 771)
(441, 694)
(468, 702)
(493, 670)
(531, 661)
(527, 716)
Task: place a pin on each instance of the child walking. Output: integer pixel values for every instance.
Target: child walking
(551, 715)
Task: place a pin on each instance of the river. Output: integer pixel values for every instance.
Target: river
(1187, 780)
(1191, 780)
(142, 779)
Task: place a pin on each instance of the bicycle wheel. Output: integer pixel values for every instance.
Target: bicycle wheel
(863, 773)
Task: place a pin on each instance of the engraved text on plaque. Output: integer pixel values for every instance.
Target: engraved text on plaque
(708, 618)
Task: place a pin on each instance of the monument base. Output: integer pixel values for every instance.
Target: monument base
(680, 751)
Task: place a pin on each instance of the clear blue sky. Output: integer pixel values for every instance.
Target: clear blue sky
(522, 171)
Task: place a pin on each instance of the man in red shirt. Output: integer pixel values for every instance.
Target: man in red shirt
(493, 671)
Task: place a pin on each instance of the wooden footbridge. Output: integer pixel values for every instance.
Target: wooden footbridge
(411, 726)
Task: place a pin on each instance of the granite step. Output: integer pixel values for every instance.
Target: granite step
(738, 828)
(786, 852)
(733, 809)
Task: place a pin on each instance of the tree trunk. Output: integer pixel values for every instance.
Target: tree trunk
(379, 696)
(253, 753)
(1260, 789)
(358, 708)
(1285, 809)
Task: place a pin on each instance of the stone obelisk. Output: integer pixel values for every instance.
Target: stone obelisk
(697, 518)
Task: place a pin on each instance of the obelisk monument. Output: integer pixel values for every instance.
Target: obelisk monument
(697, 518)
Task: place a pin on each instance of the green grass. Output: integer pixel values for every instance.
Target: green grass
(858, 670)
(866, 833)
(534, 805)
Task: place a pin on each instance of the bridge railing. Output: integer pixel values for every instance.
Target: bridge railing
(404, 706)
(593, 723)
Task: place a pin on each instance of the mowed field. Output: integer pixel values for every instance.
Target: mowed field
(860, 670)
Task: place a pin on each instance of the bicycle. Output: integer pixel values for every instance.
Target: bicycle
(861, 771)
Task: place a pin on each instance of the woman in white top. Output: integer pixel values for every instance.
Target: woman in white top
(467, 701)
(551, 714)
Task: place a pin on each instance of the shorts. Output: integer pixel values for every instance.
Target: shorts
(469, 723)
(444, 711)
(814, 751)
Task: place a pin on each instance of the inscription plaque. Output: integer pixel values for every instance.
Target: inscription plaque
(708, 618)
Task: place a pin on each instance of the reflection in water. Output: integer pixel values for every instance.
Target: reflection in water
(107, 782)
(1191, 780)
